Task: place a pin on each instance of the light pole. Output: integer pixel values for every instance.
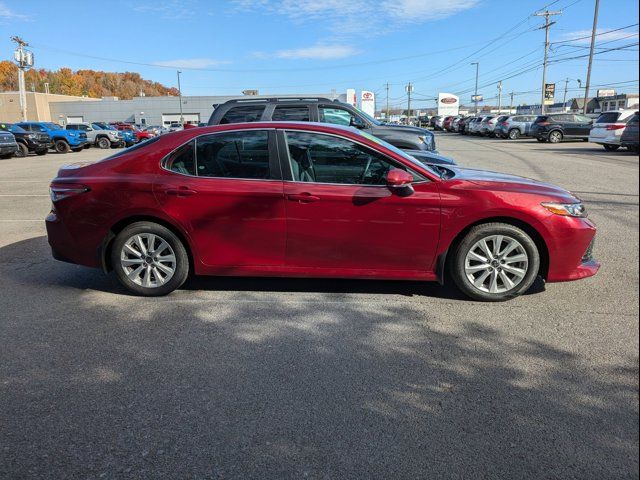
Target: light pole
(499, 97)
(593, 46)
(477, 64)
(24, 59)
(180, 98)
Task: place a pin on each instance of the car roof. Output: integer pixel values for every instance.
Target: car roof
(276, 99)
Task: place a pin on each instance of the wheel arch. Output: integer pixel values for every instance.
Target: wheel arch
(116, 228)
(535, 235)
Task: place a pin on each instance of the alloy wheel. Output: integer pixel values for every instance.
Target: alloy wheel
(496, 264)
(148, 260)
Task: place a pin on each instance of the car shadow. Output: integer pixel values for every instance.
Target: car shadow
(43, 271)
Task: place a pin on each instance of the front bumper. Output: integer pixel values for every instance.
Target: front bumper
(571, 255)
(8, 149)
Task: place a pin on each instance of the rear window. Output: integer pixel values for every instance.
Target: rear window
(244, 113)
(138, 146)
(609, 117)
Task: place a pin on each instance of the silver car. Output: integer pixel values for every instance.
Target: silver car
(515, 126)
(473, 126)
(97, 135)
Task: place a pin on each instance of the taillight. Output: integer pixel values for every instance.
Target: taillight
(616, 126)
(544, 124)
(59, 191)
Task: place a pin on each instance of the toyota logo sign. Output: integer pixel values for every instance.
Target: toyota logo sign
(367, 96)
(449, 100)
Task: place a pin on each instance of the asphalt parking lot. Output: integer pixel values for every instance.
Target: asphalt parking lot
(276, 378)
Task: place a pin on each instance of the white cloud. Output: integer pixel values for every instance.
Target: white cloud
(317, 52)
(360, 16)
(7, 14)
(191, 63)
(585, 36)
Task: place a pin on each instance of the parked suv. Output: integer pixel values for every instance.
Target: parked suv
(556, 127)
(38, 143)
(608, 128)
(629, 138)
(316, 109)
(63, 140)
(8, 145)
(515, 126)
(97, 135)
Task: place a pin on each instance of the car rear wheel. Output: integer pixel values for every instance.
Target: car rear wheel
(514, 134)
(611, 148)
(23, 151)
(495, 262)
(61, 146)
(149, 259)
(104, 143)
(555, 137)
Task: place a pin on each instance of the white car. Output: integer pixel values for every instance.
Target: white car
(608, 128)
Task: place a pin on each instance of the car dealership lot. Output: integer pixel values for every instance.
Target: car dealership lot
(276, 378)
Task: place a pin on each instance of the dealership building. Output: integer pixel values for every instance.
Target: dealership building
(65, 109)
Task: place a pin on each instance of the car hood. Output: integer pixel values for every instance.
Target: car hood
(504, 182)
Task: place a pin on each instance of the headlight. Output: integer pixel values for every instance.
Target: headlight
(566, 209)
(32, 135)
(422, 138)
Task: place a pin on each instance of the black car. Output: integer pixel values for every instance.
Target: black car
(317, 109)
(561, 126)
(629, 138)
(8, 145)
(39, 143)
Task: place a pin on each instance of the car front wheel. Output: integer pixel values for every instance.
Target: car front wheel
(514, 134)
(495, 262)
(149, 259)
(555, 137)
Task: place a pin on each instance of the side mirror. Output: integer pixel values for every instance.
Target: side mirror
(400, 180)
(357, 122)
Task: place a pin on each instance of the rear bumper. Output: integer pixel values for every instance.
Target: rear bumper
(64, 246)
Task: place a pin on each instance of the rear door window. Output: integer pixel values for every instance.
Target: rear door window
(243, 155)
(243, 113)
(284, 113)
(338, 116)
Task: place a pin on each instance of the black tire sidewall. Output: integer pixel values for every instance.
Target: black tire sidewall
(514, 134)
(23, 150)
(61, 146)
(456, 265)
(182, 259)
(104, 143)
(555, 134)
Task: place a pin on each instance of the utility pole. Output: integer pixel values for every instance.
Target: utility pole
(387, 102)
(499, 96)
(593, 46)
(546, 14)
(511, 105)
(566, 88)
(180, 97)
(409, 89)
(24, 59)
(475, 99)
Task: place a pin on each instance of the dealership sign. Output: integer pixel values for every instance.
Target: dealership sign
(448, 104)
(549, 93)
(368, 102)
(351, 97)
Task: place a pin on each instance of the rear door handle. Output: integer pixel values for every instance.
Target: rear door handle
(303, 198)
(180, 192)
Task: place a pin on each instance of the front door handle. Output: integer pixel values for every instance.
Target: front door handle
(180, 192)
(303, 198)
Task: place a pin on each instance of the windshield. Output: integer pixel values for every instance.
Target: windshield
(369, 118)
(399, 152)
(53, 126)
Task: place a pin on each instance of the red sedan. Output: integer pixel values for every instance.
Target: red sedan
(311, 200)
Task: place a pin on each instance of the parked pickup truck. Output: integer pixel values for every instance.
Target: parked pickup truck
(63, 140)
(8, 145)
(39, 143)
(98, 136)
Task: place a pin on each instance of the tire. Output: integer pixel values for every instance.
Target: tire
(61, 146)
(464, 266)
(150, 271)
(555, 136)
(41, 152)
(23, 151)
(514, 134)
(103, 143)
(611, 148)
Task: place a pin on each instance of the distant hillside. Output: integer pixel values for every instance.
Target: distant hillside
(83, 82)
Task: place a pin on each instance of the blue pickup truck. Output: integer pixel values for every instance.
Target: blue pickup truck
(63, 140)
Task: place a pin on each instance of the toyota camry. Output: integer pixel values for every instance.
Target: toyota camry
(311, 200)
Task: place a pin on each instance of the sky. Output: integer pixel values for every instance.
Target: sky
(316, 46)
